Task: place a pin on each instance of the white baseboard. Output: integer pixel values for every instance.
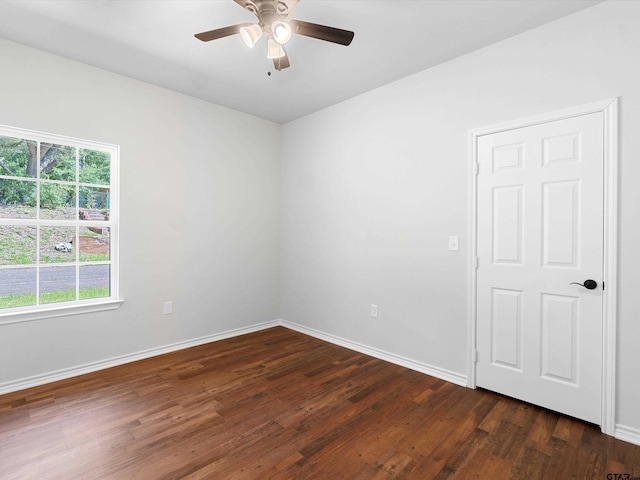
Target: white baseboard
(622, 432)
(63, 374)
(421, 367)
(437, 372)
(628, 434)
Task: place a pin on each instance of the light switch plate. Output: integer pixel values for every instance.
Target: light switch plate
(168, 308)
(453, 243)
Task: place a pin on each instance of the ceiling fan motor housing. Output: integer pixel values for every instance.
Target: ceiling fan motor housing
(267, 11)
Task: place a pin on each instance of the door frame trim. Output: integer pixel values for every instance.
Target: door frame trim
(609, 108)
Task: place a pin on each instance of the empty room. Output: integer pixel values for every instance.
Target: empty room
(319, 239)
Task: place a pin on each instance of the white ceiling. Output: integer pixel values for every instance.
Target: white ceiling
(152, 40)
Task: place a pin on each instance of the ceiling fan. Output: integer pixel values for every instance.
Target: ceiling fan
(275, 22)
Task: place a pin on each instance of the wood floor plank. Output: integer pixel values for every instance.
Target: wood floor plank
(277, 404)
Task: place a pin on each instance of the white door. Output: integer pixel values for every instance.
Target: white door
(540, 231)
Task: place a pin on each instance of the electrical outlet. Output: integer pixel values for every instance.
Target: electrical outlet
(168, 308)
(374, 311)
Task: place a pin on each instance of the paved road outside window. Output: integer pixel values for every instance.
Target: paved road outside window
(17, 281)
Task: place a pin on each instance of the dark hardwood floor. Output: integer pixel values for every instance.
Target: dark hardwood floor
(281, 405)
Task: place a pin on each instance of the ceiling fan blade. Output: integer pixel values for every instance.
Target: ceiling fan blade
(322, 32)
(282, 62)
(220, 32)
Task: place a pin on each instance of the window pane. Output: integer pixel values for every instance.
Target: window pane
(95, 167)
(94, 204)
(57, 284)
(18, 157)
(94, 244)
(57, 202)
(17, 199)
(57, 244)
(58, 162)
(95, 281)
(17, 245)
(17, 287)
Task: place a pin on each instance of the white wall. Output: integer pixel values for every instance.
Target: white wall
(199, 211)
(372, 187)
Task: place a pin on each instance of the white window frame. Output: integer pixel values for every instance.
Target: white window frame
(50, 310)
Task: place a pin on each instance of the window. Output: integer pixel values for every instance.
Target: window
(58, 222)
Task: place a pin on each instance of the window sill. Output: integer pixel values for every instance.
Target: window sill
(62, 311)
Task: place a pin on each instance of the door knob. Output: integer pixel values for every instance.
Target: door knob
(588, 284)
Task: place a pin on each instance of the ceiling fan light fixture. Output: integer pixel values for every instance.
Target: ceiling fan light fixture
(250, 35)
(281, 31)
(274, 49)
